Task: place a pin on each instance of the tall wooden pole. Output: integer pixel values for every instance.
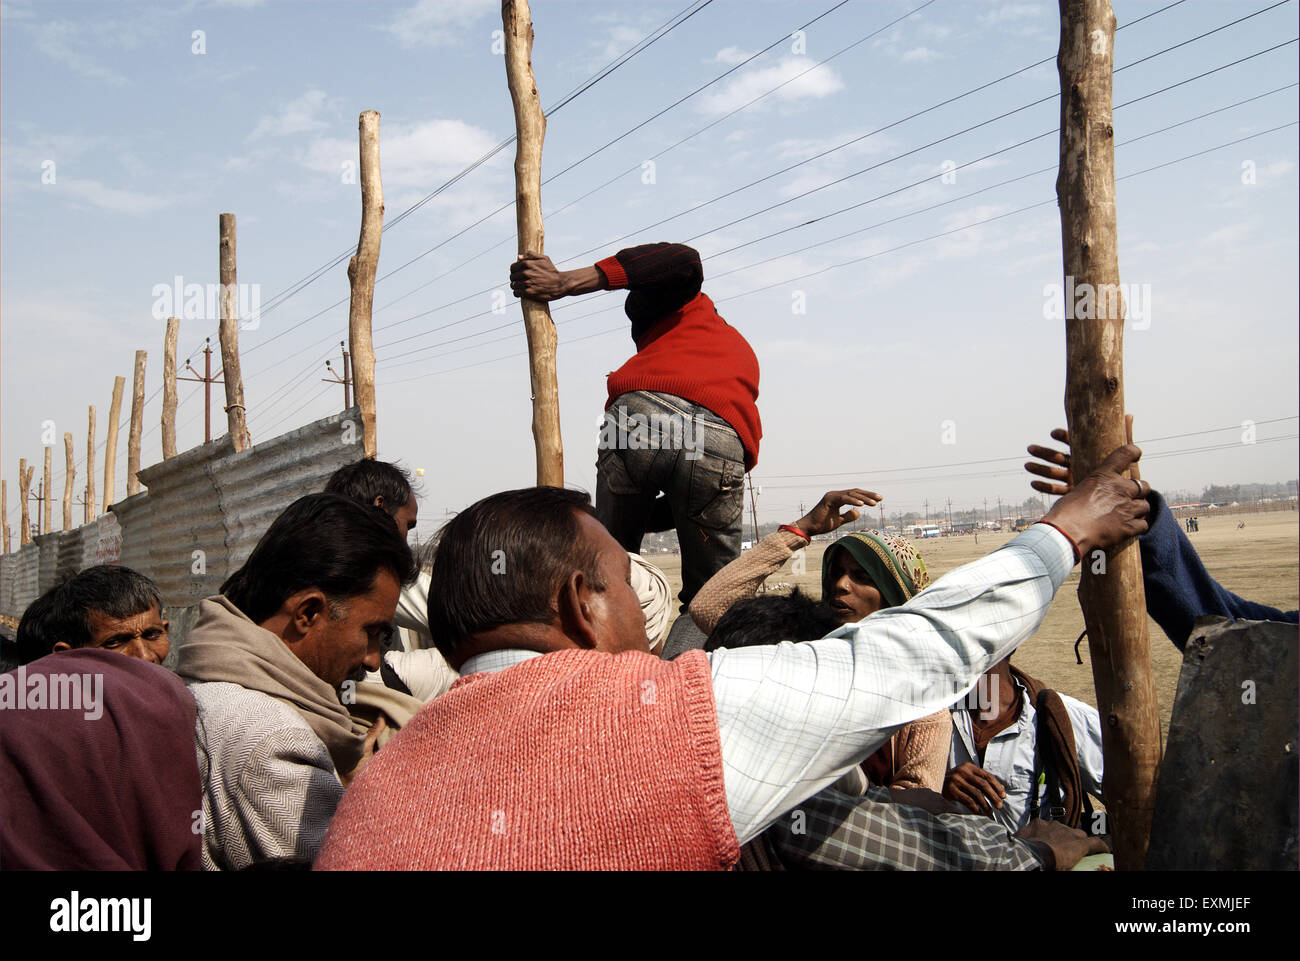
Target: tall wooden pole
(530, 128)
(47, 508)
(236, 413)
(361, 277)
(90, 469)
(1110, 592)
(110, 448)
(4, 512)
(169, 388)
(69, 475)
(24, 491)
(137, 426)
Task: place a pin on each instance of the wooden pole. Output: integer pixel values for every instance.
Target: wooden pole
(4, 512)
(47, 508)
(530, 127)
(90, 469)
(110, 448)
(236, 413)
(1110, 592)
(24, 491)
(169, 388)
(361, 277)
(69, 475)
(137, 426)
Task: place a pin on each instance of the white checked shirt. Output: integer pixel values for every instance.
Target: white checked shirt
(793, 718)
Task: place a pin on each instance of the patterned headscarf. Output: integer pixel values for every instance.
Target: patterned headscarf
(891, 562)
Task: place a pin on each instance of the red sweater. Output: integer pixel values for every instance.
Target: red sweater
(688, 351)
(575, 760)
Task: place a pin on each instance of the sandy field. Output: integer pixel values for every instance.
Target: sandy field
(1258, 562)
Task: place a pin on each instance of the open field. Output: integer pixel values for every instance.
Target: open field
(1258, 562)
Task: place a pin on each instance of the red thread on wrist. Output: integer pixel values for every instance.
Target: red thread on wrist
(1074, 545)
(794, 530)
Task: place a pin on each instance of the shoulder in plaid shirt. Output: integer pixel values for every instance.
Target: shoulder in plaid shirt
(835, 831)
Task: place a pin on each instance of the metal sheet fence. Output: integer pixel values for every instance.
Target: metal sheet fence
(200, 518)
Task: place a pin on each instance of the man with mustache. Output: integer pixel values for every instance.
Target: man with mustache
(272, 662)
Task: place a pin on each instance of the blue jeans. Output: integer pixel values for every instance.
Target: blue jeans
(656, 443)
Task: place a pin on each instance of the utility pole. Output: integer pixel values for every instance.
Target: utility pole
(927, 511)
(345, 380)
(39, 497)
(207, 380)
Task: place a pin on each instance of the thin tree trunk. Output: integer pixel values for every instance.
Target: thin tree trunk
(236, 413)
(24, 491)
(169, 388)
(361, 277)
(110, 448)
(530, 127)
(137, 426)
(1110, 592)
(47, 478)
(90, 469)
(69, 476)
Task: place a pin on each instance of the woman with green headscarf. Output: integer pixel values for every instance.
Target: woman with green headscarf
(862, 572)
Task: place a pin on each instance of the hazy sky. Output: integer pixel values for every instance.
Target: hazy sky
(920, 368)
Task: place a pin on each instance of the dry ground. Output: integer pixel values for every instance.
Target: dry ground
(1258, 562)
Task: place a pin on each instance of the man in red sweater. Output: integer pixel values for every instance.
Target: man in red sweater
(680, 417)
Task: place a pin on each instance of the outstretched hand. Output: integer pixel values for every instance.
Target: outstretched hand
(826, 517)
(1068, 846)
(1107, 507)
(1057, 466)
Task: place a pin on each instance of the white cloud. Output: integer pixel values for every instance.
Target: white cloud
(731, 56)
(112, 199)
(815, 83)
(297, 116)
(921, 55)
(1011, 13)
(419, 155)
(438, 22)
(64, 42)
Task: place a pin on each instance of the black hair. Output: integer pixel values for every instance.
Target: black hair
(323, 541)
(503, 561)
(366, 479)
(772, 618)
(63, 612)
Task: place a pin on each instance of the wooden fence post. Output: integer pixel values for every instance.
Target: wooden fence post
(530, 128)
(24, 491)
(1110, 592)
(110, 448)
(169, 388)
(90, 512)
(236, 413)
(361, 278)
(47, 506)
(69, 475)
(137, 426)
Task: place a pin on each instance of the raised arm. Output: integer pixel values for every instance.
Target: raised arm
(794, 717)
(741, 578)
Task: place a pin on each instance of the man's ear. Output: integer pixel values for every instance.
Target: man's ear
(61, 646)
(379, 501)
(307, 610)
(574, 605)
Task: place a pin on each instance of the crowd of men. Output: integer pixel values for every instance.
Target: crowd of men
(518, 701)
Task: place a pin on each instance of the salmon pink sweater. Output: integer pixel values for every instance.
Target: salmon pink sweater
(575, 760)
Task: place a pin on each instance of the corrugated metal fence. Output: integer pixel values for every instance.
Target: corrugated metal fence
(200, 518)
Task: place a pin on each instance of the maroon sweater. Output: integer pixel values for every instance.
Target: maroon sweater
(684, 347)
